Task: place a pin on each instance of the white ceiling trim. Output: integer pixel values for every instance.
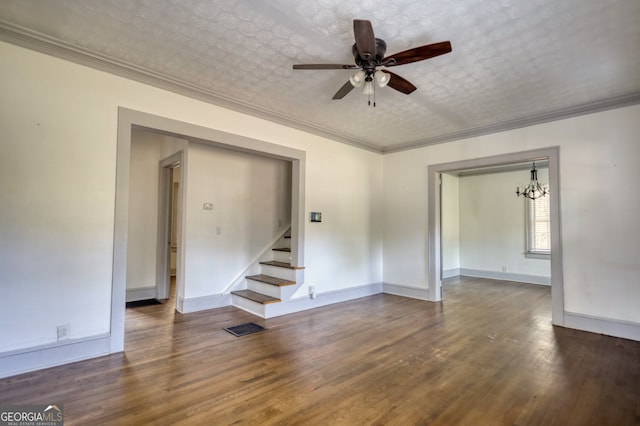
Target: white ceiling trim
(42, 43)
(574, 111)
(33, 40)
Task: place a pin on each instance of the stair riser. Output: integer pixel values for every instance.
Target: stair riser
(274, 271)
(286, 293)
(249, 305)
(259, 287)
(282, 256)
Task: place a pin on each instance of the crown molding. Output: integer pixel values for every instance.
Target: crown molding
(42, 43)
(560, 114)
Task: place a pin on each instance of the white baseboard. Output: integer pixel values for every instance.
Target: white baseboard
(506, 276)
(302, 303)
(609, 327)
(142, 293)
(322, 299)
(401, 290)
(59, 353)
(295, 305)
(203, 303)
(449, 273)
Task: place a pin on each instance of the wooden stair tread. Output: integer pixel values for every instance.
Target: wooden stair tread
(256, 297)
(268, 279)
(287, 249)
(281, 264)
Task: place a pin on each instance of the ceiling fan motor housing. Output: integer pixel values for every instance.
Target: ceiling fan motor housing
(381, 49)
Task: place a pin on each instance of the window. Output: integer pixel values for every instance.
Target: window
(538, 227)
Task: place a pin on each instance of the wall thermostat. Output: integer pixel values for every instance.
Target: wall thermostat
(316, 217)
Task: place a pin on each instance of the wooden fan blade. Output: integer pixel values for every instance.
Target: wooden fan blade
(365, 40)
(419, 53)
(400, 84)
(343, 91)
(324, 67)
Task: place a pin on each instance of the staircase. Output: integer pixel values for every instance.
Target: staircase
(275, 283)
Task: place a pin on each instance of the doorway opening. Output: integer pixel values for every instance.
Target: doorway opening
(435, 240)
(169, 226)
(129, 120)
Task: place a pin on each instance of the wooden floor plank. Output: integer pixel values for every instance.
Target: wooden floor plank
(486, 355)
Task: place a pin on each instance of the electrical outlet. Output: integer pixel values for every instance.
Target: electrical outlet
(64, 331)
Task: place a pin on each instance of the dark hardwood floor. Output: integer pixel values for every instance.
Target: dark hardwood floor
(487, 355)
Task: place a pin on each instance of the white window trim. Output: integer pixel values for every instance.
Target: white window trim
(530, 253)
(537, 254)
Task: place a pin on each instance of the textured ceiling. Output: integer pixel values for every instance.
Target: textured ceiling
(513, 62)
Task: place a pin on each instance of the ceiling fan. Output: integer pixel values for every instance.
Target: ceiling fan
(369, 52)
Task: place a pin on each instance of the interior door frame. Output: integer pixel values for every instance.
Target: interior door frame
(434, 226)
(127, 119)
(165, 198)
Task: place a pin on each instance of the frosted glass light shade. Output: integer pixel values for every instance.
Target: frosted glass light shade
(382, 78)
(368, 88)
(357, 79)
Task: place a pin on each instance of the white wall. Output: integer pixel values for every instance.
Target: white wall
(57, 174)
(346, 188)
(450, 225)
(147, 149)
(600, 230)
(251, 197)
(59, 124)
(492, 226)
(146, 152)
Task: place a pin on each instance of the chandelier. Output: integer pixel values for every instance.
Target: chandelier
(534, 189)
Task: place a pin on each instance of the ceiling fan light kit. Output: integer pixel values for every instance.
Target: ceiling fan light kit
(368, 52)
(361, 79)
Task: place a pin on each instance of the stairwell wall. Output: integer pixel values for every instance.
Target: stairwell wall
(251, 197)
